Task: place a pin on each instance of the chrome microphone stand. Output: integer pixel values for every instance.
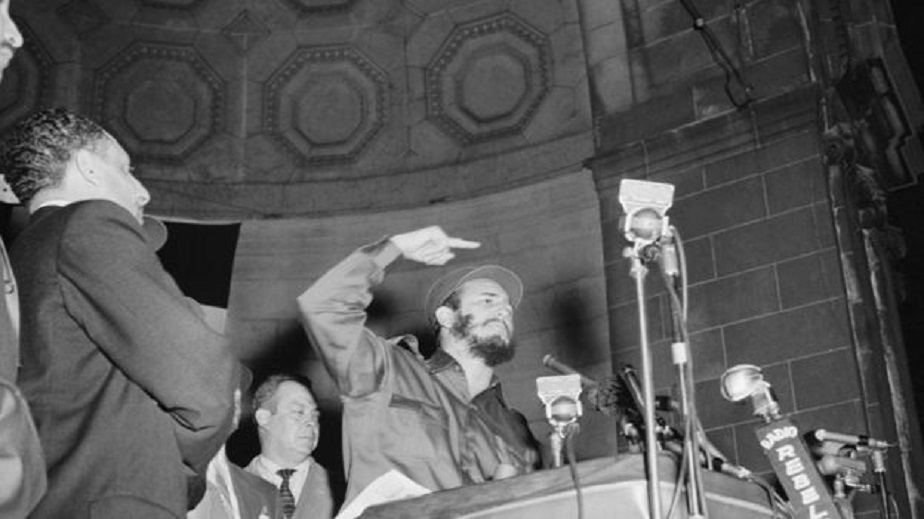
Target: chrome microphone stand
(638, 271)
(645, 204)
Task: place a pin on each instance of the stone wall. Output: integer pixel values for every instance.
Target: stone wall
(774, 276)
(765, 284)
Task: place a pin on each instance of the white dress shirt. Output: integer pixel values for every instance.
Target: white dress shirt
(266, 469)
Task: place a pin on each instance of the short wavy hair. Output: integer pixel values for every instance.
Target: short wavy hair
(266, 391)
(35, 154)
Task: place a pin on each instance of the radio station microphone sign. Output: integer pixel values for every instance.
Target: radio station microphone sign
(793, 465)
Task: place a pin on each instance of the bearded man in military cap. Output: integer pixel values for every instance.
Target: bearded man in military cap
(441, 421)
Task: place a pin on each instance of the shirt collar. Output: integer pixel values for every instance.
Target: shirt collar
(51, 203)
(272, 467)
(441, 361)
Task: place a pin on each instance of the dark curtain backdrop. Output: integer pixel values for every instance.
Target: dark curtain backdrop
(201, 258)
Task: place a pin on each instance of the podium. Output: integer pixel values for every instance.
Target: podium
(611, 488)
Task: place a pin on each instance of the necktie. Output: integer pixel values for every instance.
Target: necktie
(285, 493)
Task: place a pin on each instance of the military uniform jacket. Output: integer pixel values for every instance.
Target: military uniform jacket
(401, 412)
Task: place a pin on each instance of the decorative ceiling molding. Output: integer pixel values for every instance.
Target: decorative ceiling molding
(83, 16)
(182, 5)
(309, 7)
(245, 31)
(163, 100)
(325, 104)
(488, 78)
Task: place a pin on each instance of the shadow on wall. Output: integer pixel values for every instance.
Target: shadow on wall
(384, 320)
(572, 338)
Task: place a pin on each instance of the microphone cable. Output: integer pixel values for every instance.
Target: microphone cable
(673, 273)
(681, 300)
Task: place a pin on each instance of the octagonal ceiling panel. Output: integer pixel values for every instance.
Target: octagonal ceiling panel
(325, 104)
(245, 31)
(246, 108)
(488, 78)
(83, 16)
(163, 101)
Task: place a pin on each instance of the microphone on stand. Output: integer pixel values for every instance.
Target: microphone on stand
(590, 386)
(713, 457)
(630, 379)
(645, 204)
(560, 395)
(555, 365)
(857, 440)
(620, 394)
(830, 465)
(613, 395)
(781, 442)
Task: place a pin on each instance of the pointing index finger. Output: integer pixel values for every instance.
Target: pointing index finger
(459, 243)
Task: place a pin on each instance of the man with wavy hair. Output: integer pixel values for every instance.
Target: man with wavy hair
(130, 388)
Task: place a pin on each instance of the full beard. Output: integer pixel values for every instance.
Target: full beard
(493, 349)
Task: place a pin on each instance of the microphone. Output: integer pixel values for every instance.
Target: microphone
(662, 403)
(561, 396)
(830, 465)
(617, 393)
(858, 440)
(645, 204)
(555, 365)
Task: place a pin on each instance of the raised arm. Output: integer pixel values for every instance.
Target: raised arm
(333, 309)
(115, 286)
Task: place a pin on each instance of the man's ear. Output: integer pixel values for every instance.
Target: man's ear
(84, 161)
(262, 417)
(445, 316)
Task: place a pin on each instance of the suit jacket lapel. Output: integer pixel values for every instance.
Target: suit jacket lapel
(315, 500)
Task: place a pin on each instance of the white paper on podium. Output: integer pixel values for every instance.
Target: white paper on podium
(390, 486)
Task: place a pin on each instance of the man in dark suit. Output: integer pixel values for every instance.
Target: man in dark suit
(130, 389)
(287, 424)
